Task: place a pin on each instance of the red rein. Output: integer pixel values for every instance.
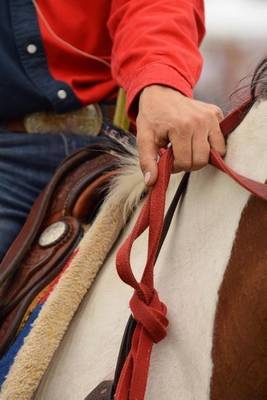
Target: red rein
(147, 309)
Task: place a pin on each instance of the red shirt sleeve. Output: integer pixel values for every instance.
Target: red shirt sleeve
(156, 42)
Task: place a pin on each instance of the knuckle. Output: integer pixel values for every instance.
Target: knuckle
(216, 135)
(185, 126)
(213, 128)
(182, 165)
(200, 162)
(198, 119)
(183, 136)
(181, 125)
(214, 108)
(217, 113)
(210, 110)
(212, 115)
(198, 122)
(201, 156)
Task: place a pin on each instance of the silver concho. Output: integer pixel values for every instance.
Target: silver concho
(53, 234)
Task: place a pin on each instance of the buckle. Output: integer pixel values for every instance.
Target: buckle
(85, 121)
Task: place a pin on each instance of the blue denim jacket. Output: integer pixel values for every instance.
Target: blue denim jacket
(25, 82)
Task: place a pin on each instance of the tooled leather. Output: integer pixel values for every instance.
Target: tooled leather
(91, 197)
(28, 275)
(59, 198)
(11, 322)
(28, 268)
(72, 184)
(16, 252)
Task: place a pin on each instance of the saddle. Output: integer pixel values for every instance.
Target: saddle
(54, 227)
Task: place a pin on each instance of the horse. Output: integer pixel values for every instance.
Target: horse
(211, 272)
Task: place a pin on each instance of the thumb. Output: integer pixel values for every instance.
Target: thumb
(148, 156)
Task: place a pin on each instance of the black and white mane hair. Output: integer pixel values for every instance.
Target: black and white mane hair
(258, 86)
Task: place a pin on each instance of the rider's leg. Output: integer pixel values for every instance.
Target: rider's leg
(27, 163)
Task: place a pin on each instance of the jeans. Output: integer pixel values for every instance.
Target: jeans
(27, 163)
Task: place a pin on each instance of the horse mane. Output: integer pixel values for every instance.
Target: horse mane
(128, 186)
(258, 86)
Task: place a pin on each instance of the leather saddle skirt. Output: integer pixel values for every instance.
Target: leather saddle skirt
(54, 228)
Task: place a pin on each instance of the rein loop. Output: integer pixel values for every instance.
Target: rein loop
(148, 310)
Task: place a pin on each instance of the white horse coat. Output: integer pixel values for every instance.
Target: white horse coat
(189, 273)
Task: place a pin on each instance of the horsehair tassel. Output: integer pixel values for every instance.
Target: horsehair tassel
(149, 312)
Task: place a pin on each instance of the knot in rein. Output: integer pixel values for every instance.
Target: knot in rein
(152, 315)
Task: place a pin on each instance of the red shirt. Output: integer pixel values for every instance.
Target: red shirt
(146, 42)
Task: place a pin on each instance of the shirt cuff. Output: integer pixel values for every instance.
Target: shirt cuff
(154, 74)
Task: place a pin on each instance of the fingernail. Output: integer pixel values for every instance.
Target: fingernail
(147, 177)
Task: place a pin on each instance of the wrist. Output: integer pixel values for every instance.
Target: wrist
(157, 90)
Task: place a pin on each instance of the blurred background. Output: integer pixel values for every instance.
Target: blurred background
(235, 43)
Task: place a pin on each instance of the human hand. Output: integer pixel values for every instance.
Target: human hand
(191, 126)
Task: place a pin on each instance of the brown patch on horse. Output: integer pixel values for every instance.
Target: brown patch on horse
(240, 334)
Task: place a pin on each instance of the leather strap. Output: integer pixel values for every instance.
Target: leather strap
(257, 188)
(19, 125)
(231, 122)
(227, 126)
(148, 311)
(101, 392)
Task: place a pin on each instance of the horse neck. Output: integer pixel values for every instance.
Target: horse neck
(246, 146)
